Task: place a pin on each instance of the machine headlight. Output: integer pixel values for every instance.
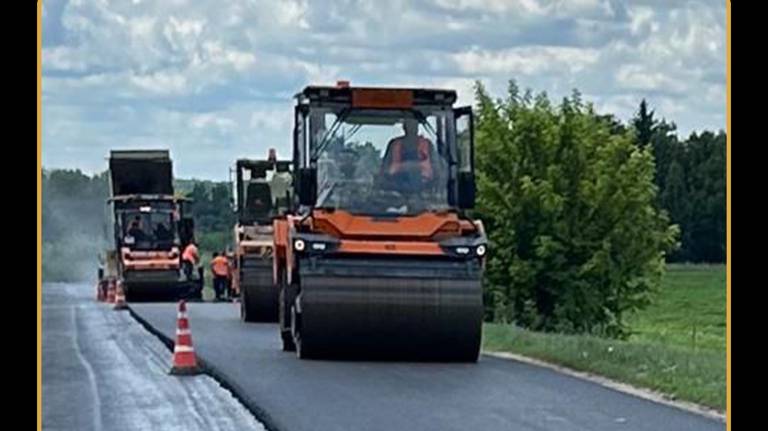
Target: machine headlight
(462, 250)
(480, 250)
(319, 246)
(299, 245)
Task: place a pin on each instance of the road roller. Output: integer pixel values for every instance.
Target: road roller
(150, 228)
(381, 259)
(262, 190)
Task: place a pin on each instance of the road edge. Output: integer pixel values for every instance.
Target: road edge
(212, 372)
(644, 393)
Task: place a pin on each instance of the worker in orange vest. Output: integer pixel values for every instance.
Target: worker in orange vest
(220, 270)
(408, 158)
(189, 259)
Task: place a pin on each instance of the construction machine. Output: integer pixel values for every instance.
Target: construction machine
(150, 228)
(262, 192)
(381, 259)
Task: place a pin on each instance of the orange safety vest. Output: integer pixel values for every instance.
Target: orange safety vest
(396, 157)
(190, 254)
(220, 266)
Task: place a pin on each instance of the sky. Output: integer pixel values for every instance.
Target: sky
(213, 80)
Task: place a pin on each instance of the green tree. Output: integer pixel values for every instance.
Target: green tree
(212, 211)
(576, 242)
(673, 198)
(644, 124)
(704, 239)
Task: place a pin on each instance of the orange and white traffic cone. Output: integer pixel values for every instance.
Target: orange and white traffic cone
(120, 297)
(111, 292)
(184, 358)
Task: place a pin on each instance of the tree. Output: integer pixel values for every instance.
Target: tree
(674, 199)
(212, 210)
(644, 124)
(576, 241)
(705, 239)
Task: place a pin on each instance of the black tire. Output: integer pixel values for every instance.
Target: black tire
(246, 313)
(196, 297)
(303, 350)
(262, 295)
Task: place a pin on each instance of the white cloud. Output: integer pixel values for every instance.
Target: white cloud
(637, 77)
(202, 121)
(525, 60)
(641, 19)
(522, 6)
(209, 75)
(163, 83)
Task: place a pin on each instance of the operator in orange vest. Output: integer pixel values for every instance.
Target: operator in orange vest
(189, 258)
(408, 158)
(220, 270)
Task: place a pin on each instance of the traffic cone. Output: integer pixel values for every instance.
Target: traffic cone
(184, 358)
(120, 297)
(111, 292)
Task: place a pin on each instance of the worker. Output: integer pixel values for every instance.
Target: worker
(162, 233)
(189, 258)
(407, 152)
(220, 270)
(135, 230)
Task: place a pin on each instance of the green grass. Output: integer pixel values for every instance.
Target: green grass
(677, 344)
(689, 312)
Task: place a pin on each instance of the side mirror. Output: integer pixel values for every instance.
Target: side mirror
(307, 186)
(466, 186)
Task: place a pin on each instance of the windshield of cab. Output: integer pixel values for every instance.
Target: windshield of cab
(148, 230)
(381, 162)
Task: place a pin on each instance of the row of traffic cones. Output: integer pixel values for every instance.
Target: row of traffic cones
(111, 291)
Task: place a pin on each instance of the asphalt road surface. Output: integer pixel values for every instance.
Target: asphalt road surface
(103, 371)
(289, 394)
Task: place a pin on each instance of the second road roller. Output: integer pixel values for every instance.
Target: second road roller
(262, 190)
(380, 258)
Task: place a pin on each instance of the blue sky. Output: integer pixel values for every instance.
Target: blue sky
(212, 80)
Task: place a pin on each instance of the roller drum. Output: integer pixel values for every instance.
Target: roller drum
(407, 309)
(260, 295)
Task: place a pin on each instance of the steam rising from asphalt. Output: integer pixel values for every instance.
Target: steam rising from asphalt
(74, 233)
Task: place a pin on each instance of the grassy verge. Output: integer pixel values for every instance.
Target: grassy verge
(677, 346)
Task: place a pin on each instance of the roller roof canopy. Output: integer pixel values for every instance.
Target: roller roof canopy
(141, 172)
(377, 97)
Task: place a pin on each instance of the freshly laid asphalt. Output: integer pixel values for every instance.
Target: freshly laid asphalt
(103, 371)
(289, 394)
